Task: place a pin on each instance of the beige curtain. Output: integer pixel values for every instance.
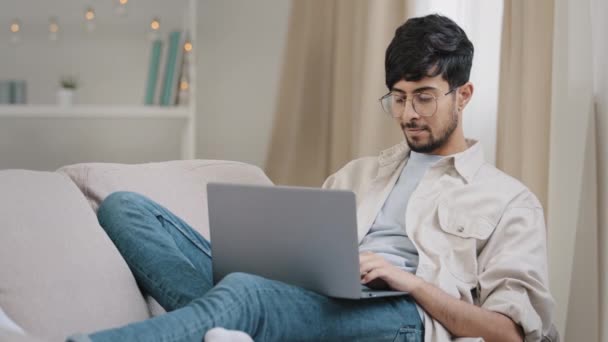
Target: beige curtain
(333, 74)
(524, 105)
(547, 137)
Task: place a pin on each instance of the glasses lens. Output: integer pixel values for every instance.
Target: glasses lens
(393, 104)
(424, 104)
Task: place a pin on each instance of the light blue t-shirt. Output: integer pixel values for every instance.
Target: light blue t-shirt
(387, 236)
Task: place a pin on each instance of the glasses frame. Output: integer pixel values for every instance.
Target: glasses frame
(411, 98)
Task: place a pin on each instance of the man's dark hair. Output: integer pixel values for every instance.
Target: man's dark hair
(426, 47)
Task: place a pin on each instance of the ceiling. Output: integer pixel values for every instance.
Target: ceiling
(34, 16)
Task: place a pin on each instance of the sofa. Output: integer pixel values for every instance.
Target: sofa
(59, 272)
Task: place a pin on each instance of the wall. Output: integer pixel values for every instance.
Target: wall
(239, 61)
(118, 78)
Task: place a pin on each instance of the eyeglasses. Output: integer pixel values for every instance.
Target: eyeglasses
(424, 104)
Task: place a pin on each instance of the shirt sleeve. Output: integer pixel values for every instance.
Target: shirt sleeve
(513, 278)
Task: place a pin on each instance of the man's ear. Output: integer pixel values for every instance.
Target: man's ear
(465, 93)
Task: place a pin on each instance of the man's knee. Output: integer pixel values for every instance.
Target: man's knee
(243, 284)
(116, 205)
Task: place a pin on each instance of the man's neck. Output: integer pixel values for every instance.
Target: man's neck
(456, 144)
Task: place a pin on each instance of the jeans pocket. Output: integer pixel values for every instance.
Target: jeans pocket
(409, 334)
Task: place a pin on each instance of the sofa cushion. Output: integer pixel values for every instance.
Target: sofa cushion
(60, 272)
(6, 323)
(180, 186)
(12, 336)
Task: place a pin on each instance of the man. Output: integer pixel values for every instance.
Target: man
(466, 241)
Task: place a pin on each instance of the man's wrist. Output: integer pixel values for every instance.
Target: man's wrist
(417, 284)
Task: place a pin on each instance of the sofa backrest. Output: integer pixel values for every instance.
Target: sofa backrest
(180, 186)
(59, 272)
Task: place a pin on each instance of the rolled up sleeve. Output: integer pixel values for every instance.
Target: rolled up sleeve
(513, 277)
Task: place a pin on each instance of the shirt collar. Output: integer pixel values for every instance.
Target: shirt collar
(466, 163)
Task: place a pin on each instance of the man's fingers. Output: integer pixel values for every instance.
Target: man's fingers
(367, 266)
(375, 273)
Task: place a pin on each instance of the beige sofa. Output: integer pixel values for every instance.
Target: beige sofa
(59, 272)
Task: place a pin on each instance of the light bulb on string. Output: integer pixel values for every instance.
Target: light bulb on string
(15, 29)
(188, 46)
(120, 7)
(53, 29)
(154, 31)
(89, 17)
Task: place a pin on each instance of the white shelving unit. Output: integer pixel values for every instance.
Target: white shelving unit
(186, 115)
(94, 112)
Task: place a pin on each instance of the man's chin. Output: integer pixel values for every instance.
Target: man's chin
(418, 146)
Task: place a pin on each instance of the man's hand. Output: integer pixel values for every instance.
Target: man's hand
(375, 270)
(459, 317)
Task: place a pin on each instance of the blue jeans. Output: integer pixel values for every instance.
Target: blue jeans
(172, 263)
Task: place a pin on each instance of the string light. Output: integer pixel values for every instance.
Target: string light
(15, 26)
(15, 29)
(155, 24)
(121, 7)
(188, 46)
(184, 85)
(53, 29)
(154, 32)
(89, 16)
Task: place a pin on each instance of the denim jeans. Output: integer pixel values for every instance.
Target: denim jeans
(172, 263)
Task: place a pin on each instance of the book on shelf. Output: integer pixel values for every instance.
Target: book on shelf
(19, 95)
(155, 56)
(171, 72)
(5, 92)
(182, 97)
(13, 92)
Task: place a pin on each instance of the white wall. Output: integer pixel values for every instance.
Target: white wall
(239, 56)
(116, 78)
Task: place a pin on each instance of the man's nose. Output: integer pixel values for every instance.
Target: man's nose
(408, 112)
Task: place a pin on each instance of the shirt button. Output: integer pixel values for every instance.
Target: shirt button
(460, 229)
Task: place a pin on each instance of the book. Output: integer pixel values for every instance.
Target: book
(155, 55)
(12, 89)
(169, 86)
(183, 94)
(180, 69)
(19, 95)
(5, 92)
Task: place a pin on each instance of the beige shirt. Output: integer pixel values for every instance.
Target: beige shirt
(480, 234)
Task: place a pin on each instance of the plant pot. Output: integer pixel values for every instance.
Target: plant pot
(65, 97)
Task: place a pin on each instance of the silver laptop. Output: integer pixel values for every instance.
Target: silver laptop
(301, 236)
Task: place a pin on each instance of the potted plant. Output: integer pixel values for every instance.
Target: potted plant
(65, 94)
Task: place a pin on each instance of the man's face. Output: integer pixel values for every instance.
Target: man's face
(426, 134)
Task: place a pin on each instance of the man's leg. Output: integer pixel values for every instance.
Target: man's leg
(169, 259)
(273, 311)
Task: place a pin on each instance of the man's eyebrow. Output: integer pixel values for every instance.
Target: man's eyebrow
(417, 90)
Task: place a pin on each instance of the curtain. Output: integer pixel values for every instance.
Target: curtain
(599, 27)
(524, 105)
(333, 75)
(552, 108)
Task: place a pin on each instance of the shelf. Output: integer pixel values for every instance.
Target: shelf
(94, 112)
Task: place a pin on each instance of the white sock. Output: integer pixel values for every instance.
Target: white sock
(223, 335)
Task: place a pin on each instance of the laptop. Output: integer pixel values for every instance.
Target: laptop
(301, 236)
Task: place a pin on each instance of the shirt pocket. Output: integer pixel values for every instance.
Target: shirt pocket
(464, 231)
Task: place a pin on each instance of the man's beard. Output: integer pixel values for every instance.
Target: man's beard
(433, 142)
